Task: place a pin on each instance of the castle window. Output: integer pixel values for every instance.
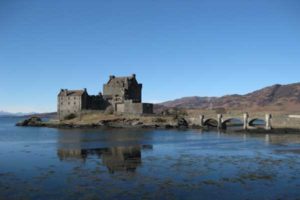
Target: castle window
(68, 103)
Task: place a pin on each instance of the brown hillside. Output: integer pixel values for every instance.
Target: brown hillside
(276, 97)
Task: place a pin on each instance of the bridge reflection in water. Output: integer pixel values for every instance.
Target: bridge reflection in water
(126, 158)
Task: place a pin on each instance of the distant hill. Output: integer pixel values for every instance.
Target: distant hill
(276, 97)
(3, 113)
(20, 114)
(8, 114)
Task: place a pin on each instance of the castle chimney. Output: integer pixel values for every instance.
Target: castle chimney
(111, 77)
(133, 75)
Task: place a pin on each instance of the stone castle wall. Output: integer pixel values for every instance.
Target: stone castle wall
(131, 107)
(70, 105)
(75, 104)
(119, 89)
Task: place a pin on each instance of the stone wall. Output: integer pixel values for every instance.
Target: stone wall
(120, 108)
(147, 108)
(130, 107)
(284, 121)
(96, 102)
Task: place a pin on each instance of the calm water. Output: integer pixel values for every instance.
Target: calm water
(43, 163)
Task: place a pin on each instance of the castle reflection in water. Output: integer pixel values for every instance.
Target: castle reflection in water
(126, 158)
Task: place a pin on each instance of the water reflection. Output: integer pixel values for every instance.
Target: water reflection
(267, 139)
(126, 158)
(117, 149)
(284, 139)
(277, 139)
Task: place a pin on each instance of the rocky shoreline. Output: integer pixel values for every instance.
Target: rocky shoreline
(159, 123)
(179, 123)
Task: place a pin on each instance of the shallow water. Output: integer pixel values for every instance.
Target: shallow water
(44, 163)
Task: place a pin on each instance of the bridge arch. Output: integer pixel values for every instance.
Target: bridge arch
(232, 122)
(257, 122)
(211, 122)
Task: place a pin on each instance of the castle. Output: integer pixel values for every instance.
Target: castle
(124, 94)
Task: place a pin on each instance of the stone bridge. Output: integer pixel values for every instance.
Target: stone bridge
(274, 119)
(222, 120)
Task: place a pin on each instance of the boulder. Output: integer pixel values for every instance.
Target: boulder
(32, 121)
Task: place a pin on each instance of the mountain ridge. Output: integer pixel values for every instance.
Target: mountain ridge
(274, 97)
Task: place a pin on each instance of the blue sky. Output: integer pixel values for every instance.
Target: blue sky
(176, 47)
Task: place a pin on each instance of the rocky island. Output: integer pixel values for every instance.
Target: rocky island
(120, 106)
(93, 119)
